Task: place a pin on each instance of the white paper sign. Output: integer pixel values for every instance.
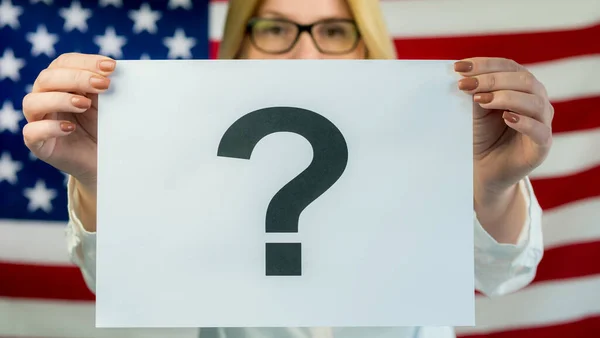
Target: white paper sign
(213, 211)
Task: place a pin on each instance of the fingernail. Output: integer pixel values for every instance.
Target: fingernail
(469, 83)
(67, 127)
(99, 82)
(510, 117)
(79, 102)
(107, 65)
(483, 97)
(463, 66)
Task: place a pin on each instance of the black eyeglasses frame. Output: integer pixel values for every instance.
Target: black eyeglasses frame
(308, 28)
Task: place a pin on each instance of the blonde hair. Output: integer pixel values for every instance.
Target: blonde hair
(366, 13)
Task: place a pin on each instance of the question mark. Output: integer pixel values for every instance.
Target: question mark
(330, 156)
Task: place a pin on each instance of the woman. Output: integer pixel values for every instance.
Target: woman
(511, 120)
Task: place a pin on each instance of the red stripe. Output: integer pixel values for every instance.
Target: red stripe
(566, 262)
(569, 261)
(564, 44)
(43, 282)
(532, 47)
(557, 191)
(574, 115)
(584, 328)
(213, 49)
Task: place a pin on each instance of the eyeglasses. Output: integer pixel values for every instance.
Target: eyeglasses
(278, 36)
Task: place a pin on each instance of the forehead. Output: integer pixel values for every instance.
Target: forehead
(305, 11)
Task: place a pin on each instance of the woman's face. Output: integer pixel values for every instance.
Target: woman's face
(274, 32)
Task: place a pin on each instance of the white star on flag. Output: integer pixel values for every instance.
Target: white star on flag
(39, 197)
(10, 66)
(9, 14)
(179, 45)
(116, 3)
(144, 19)
(186, 4)
(110, 43)
(9, 168)
(75, 17)
(9, 117)
(47, 2)
(42, 41)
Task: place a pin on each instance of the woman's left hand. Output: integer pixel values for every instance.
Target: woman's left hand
(512, 119)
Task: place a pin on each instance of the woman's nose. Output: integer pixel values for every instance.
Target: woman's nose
(305, 48)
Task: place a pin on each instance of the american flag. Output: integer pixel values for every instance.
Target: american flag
(43, 295)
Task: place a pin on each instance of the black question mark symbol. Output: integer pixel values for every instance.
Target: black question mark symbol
(330, 156)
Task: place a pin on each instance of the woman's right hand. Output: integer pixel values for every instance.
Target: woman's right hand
(62, 114)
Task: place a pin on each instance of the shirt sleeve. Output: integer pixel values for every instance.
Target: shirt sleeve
(502, 268)
(81, 244)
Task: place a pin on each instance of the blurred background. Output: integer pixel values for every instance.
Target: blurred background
(43, 295)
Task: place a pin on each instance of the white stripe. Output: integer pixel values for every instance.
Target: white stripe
(217, 13)
(540, 304)
(26, 318)
(33, 242)
(571, 153)
(416, 18)
(572, 223)
(569, 78)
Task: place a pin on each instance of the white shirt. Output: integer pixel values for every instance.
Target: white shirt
(499, 269)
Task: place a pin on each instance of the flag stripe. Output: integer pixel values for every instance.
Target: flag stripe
(576, 115)
(569, 78)
(574, 261)
(59, 282)
(36, 242)
(563, 160)
(554, 192)
(24, 317)
(583, 328)
(435, 18)
(565, 44)
(544, 303)
(572, 223)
